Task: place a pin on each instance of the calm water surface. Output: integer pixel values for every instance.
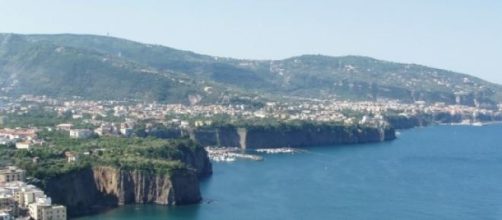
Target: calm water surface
(443, 172)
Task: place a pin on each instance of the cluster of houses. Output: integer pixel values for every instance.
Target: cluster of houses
(20, 137)
(104, 129)
(26, 138)
(19, 200)
(186, 116)
(179, 115)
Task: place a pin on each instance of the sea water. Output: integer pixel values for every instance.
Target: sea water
(441, 172)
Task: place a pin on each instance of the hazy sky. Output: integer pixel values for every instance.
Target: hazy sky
(459, 35)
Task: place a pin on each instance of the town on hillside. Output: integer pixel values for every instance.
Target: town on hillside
(33, 123)
(22, 119)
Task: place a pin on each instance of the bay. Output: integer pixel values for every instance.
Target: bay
(441, 172)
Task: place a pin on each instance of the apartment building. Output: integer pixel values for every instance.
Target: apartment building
(43, 209)
(11, 174)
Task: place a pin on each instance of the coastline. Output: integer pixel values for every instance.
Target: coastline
(232, 154)
(351, 179)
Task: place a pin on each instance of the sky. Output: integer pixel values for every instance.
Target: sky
(459, 35)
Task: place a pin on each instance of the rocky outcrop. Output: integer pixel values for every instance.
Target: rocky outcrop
(197, 158)
(94, 189)
(290, 136)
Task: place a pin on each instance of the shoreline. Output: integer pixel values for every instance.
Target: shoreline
(475, 124)
(245, 154)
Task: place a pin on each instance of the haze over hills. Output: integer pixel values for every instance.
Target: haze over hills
(98, 67)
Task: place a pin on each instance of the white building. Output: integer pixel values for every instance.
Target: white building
(24, 145)
(64, 127)
(80, 133)
(43, 209)
(17, 194)
(126, 131)
(71, 156)
(106, 129)
(24, 194)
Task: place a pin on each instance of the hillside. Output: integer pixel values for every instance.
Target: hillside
(32, 67)
(104, 67)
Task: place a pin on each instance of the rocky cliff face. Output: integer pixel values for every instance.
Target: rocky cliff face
(404, 122)
(197, 159)
(219, 136)
(297, 136)
(182, 187)
(305, 137)
(94, 189)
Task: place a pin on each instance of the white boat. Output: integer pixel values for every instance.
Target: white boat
(479, 124)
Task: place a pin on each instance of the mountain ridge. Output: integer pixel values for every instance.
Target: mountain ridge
(311, 76)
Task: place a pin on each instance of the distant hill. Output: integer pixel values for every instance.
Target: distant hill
(31, 66)
(101, 67)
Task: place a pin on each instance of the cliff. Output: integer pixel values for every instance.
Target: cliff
(152, 171)
(405, 122)
(228, 136)
(258, 137)
(197, 159)
(95, 189)
(283, 135)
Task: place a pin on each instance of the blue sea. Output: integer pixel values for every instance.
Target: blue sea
(441, 172)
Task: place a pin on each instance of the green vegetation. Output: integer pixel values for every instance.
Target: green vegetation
(47, 68)
(146, 154)
(39, 117)
(33, 118)
(157, 130)
(5, 154)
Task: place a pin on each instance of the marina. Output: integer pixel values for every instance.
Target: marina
(230, 154)
(282, 150)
